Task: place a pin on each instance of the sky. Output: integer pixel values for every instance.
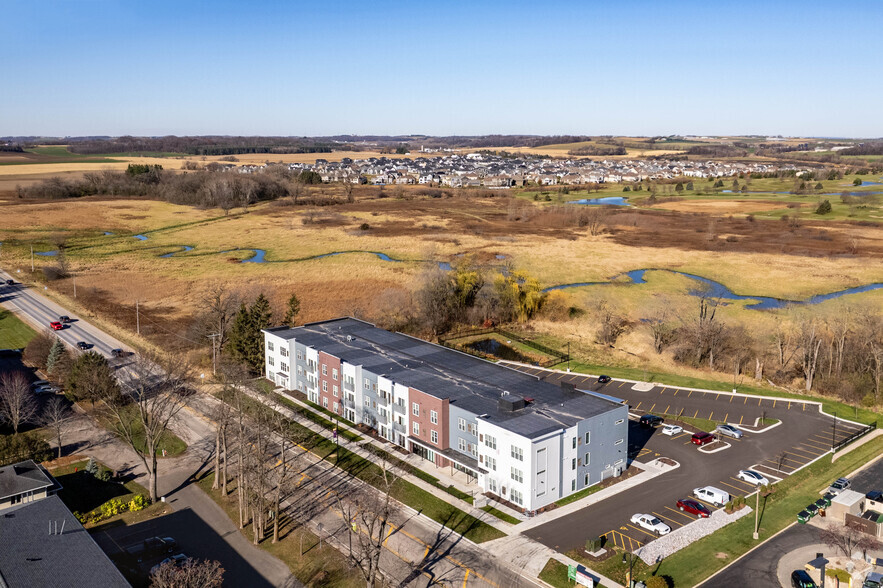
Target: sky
(587, 67)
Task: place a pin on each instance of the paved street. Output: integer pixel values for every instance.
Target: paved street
(804, 435)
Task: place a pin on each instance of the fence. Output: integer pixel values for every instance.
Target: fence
(856, 435)
(555, 356)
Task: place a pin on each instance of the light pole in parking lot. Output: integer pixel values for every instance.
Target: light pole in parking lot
(834, 432)
(629, 558)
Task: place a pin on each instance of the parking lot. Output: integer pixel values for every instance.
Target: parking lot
(803, 435)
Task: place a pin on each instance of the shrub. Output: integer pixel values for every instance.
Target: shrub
(824, 207)
(364, 227)
(112, 507)
(103, 475)
(868, 400)
(92, 466)
(138, 503)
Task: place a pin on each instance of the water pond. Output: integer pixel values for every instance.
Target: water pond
(497, 349)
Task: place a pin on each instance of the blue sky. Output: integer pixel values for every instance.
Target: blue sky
(96, 67)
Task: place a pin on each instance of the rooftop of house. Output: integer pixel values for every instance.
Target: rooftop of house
(25, 476)
(45, 545)
(472, 384)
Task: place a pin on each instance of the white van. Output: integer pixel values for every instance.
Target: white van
(715, 496)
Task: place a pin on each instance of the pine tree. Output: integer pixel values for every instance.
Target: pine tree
(238, 341)
(292, 311)
(261, 315)
(55, 352)
(92, 466)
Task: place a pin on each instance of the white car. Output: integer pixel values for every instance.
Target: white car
(672, 430)
(753, 477)
(729, 431)
(651, 523)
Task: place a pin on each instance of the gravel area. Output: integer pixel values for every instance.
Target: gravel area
(690, 533)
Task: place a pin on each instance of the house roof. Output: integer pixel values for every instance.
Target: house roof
(32, 556)
(470, 383)
(25, 476)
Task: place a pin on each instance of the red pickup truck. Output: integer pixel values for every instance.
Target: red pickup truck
(56, 326)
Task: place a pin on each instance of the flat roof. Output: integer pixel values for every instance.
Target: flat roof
(24, 476)
(470, 383)
(33, 556)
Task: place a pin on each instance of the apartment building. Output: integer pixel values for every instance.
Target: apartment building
(524, 440)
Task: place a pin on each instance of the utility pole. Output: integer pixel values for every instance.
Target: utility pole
(75, 286)
(568, 356)
(756, 511)
(32, 258)
(137, 318)
(214, 354)
(834, 433)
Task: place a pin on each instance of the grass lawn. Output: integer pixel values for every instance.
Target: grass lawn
(500, 514)
(317, 566)
(171, 443)
(14, 334)
(702, 558)
(555, 574)
(578, 495)
(319, 419)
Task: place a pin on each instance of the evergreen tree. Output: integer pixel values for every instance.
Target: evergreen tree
(91, 378)
(824, 207)
(55, 352)
(246, 342)
(679, 187)
(238, 341)
(689, 185)
(293, 309)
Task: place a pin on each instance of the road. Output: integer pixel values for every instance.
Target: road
(803, 435)
(419, 552)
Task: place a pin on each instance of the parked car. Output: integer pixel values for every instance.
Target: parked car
(694, 507)
(178, 560)
(729, 431)
(603, 379)
(650, 420)
(651, 523)
(82, 345)
(152, 547)
(46, 389)
(803, 517)
(38, 384)
(875, 495)
(800, 579)
(715, 496)
(64, 319)
(672, 430)
(873, 580)
(701, 438)
(839, 485)
(56, 326)
(753, 477)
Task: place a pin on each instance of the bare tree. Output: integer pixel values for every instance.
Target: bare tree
(17, 403)
(661, 328)
(810, 342)
(223, 416)
(142, 416)
(847, 538)
(193, 573)
(783, 342)
(348, 191)
(595, 218)
(219, 310)
(54, 416)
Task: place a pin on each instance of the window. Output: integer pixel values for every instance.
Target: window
(300, 354)
(324, 402)
(433, 436)
(461, 424)
(587, 459)
(588, 437)
(619, 442)
(270, 345)
(324, 370)
(283, 366)
(300, 370)
(324, 386)
(335, 407)
(473, 449)
(574, 442)
(490, 441)
(471, 429)
(573, 464)
(416, 428)
(573, 485)
(490, 462)
(433, 417)
(492, 486)
(517, 453)
(516, 474)
(334, 373)
(334, 390)
(401, 402)
(516, 497)
(415, 409)
(619, 422)
(367, 402)
(367, 384)
(270, 359)
(461, 444)
(587, 479)
(283, 352)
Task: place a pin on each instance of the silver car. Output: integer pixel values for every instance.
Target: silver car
(729, 431)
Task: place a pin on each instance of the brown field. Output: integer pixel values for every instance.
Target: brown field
(721, 206)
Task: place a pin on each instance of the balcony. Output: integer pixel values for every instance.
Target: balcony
(399, 428)
(349, 403)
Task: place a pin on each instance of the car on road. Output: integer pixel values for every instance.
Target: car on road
(10, 282)
(694, 507)
(651, 523)
(712, 495)
(839, 485)
(56, 326)
(753, 477)
(82, 345)
(701, 438)
(603, 379)
(46, 389)
(177, 560)
(729, 431)
(64, 319)
(800, 579)
(672, 430)
(650, 421)
(118, 352)
(39, 383)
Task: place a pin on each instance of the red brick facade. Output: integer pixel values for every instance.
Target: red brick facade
(427, 404)
(328, 367)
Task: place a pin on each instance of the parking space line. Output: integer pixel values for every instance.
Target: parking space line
(733, 487)
(816, 447)
(679, 436)
(704, 502)
(740, 419)
(680, 512)
(635, 528)
(676, 393)
(663, 391)
(802, 451)
(666, 409)
(746, 400)
(639, 405)
(697, 413)
(710, 416)
(731, 399)
(652, 407)
(789, 405)
(690, 394)
(743, 482)
(621, 385)
(759, 400)
(725, 417)
(678, 523)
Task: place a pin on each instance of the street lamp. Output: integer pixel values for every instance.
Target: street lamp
(834, 433)
(629, 558)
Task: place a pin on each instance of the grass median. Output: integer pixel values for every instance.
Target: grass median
(14, 334)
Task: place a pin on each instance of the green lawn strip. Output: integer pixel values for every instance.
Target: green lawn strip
(403, 491)
(318, 566)
(14, 334)
(318, 419)
(699, 560)
(578, 495)
(500, 515)
(843, 410)
(554, 573)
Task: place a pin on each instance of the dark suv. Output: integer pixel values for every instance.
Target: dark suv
(650, 420)
(800, 579)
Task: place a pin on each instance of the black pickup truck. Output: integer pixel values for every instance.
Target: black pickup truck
(151, 548)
